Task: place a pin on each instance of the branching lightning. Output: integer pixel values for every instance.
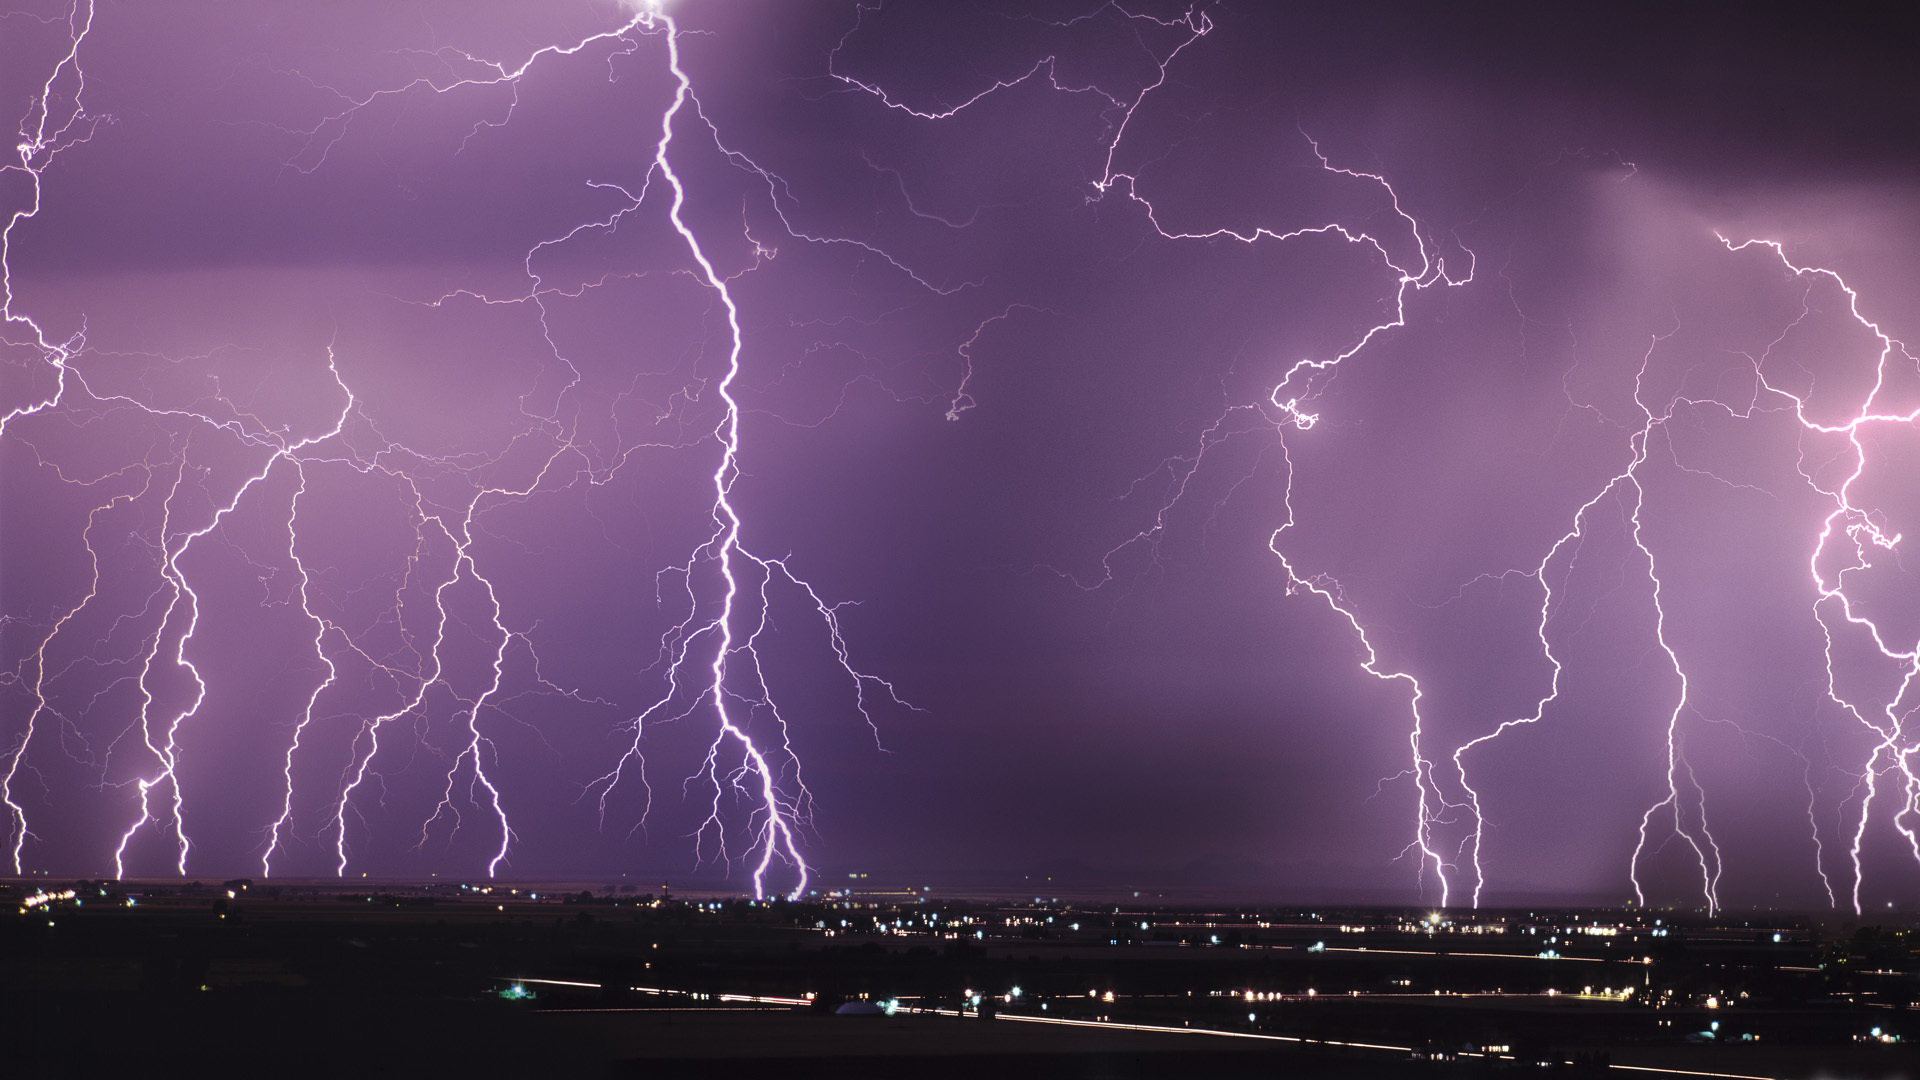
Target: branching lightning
(445, 598)
(1847, 536)
(56, 121)
(419, 666)
(1839, 549)
(768, 776)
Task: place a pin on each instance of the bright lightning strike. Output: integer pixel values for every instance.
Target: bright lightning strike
(56, 122)
(394, 548)
(1450, 825)
(767, 774)
(444, 648)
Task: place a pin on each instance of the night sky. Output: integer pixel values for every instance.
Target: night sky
(365, 395)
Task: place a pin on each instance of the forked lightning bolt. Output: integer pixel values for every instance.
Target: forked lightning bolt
(1839, 549)
(393, 685)
(55, 121)
(1847, 536)
(768, 776)
(712, 660)
(1288, 403)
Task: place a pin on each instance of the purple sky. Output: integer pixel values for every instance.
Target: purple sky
(1015, 286)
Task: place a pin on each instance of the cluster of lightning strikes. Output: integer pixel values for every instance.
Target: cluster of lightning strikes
(710, 660)
(759, 804)
(1841, 545)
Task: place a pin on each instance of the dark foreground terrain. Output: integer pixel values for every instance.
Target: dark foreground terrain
(514, 980)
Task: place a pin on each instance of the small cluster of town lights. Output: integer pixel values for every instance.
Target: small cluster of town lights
(1435, 923)
(44, 898)
(44, 901)
(1879, 1036)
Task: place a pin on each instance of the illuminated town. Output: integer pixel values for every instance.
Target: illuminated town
(1742, 994)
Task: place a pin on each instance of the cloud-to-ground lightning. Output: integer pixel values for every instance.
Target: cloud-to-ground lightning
(507, 528)
(1848, 534)
(55, 121)
(1446, 799)
(443, 648)
(736, 764)
(1682, 811)
(1290, 397)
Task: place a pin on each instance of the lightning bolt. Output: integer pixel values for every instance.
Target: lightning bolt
(765, 773)
(1848, 534)
(166, 747)
(1684, 806)
(1287, 406)
(713, 652)
(1839, 551)
(56, 121)
(399, 671)
(1705, 850)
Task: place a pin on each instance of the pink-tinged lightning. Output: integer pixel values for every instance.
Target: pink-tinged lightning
(1848, 534)
(1688, 814)
(738, 764)
(1682, 810)
(1194, 21)
(750, 765)
(165, 744)
(748, 781)
(1289, 398)
(762, 772)
(17, 813)
(56, 121)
